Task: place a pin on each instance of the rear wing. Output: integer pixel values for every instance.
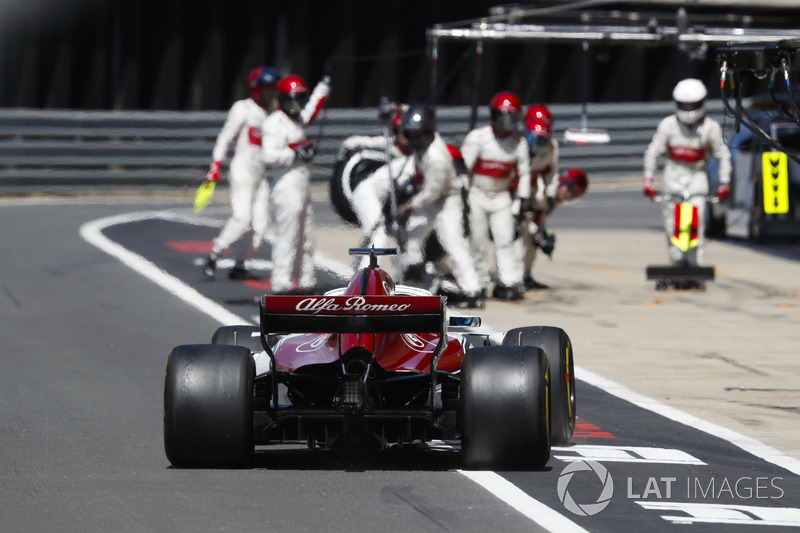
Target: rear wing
(353, 314)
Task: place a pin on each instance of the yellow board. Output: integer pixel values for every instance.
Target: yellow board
(775, 177)
(685, 238)
(203, 195)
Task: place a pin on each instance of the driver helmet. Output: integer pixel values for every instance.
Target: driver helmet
(690, 101)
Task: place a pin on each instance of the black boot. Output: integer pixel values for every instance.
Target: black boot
(533, 285)
(414, 274)
(508, 294)
(470, 302)
(238, 272)
(210, 266)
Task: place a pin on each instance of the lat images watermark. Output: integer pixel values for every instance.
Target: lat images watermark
(600, 476)
(593, 488)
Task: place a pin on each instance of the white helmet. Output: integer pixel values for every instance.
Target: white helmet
(690, 100)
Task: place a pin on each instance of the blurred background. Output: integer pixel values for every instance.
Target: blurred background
(131, 93)
(194, 55)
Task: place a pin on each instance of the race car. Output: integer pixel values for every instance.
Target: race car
(370, 366)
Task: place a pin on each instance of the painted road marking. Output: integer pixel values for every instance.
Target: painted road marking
(522, 501)
(92, 232)
(586, 430)
(624, 454)
(715, 513)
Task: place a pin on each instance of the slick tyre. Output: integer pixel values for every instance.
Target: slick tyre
(208, 406)
(247, 336)
(503, 408)
(555, 343)
(347, 174)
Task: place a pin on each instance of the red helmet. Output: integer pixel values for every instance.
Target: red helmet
(539, 127)
(505, 112)
(576, 180)
(292, 94)
(540, 112)
(537, 133)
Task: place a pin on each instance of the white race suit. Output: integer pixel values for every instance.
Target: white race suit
(293, 249)
(439, 200)
(493, 162)
(372, 192)
(249, 192)
(687, 150)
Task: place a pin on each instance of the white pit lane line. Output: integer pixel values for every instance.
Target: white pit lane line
(491, 481)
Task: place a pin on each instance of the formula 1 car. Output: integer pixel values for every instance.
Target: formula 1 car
(370, 366)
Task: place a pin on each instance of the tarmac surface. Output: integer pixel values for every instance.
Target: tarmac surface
(88, 336)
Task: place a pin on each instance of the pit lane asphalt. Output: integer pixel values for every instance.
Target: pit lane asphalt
(81, 391)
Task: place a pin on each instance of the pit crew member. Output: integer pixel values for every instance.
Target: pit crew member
(440, 202)
(249, 190)
(494, 155)
(687, 139)
(288, 155)
(568, 186)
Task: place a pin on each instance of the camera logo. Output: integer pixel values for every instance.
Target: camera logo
(585, 509)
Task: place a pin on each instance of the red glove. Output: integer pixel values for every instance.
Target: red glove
(213, 171)
(649, 188)
(723, 191)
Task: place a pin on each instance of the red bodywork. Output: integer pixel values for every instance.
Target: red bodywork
(393, 351)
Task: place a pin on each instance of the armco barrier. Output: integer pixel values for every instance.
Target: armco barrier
(50, 148)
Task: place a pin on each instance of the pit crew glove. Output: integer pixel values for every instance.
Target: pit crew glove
(305, 152)
(723, 191)
(546, 242)
(649, 188)
(214, 171)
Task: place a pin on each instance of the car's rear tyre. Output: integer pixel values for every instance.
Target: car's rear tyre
(208, 406)
(563, 399)
(504, 415)
(247, 336)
